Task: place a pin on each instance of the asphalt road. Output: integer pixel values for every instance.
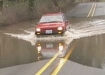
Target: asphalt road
(80, 51)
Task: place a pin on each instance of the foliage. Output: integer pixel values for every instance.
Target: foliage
(15, 11)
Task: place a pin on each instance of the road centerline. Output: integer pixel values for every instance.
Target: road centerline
(91, 10)
(63, 61)
(46, 65)
(94, 9)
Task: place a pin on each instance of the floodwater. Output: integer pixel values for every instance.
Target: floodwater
(19, 45)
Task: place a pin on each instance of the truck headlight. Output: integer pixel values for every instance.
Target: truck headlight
(60, 28)
(38, 29)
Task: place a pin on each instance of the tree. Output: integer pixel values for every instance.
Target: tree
(30, 9)
(31, 5)
(55, 2)
(10, 0)
(71, 1)
(1, 5)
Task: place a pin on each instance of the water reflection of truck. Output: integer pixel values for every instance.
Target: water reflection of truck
(47, 49)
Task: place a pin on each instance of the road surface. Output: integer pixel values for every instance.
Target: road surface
(80, 51)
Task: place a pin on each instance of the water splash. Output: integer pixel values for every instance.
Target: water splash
(86, 29)
(77, 31)
(27, 37)
(32, 38)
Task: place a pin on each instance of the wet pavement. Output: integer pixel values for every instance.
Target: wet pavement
(21, 50)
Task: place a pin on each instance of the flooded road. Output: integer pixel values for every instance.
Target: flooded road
(90, 51)
(20, 46)
(14, 51)
(81, 47)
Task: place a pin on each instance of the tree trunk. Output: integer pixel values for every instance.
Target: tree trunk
(1, 5)
(31, 9)
(56, 4)
(31, 5)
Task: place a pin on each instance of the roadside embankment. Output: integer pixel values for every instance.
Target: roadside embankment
(16, 12)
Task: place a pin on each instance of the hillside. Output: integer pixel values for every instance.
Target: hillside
(15, 11)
